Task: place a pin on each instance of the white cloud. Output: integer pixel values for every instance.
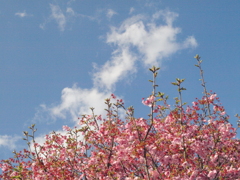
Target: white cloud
(58, 16)
(110, 13)
(22, 14)
(9, 141)
(75, 102)
(154, 42)
(190, 42)
(138, 38)
(121, 64)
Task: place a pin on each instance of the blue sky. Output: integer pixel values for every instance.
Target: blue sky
(58, 58)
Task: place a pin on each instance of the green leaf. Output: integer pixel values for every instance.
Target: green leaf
(160, 94)
(151, 69)
(197, 57)
(16, 177)
(182, 80)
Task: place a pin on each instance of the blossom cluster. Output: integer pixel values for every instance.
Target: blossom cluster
(181, 145)
(194, 142)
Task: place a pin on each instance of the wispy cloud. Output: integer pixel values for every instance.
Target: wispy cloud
(9, 141)
(110, 13)
(62, 16)
(70, 11)
(22, 14)
(58, 16)
(131, 10)
(70, 2)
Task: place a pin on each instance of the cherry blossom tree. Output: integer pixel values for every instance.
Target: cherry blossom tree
(190, 142)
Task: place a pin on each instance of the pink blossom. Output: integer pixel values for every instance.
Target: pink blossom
(149, 102)
(223, 113)
(188, 110)
(194, 174)
(195, 103)
(4, 167)
(99, 117)
(113, 96)
(212, 97)
(161, 147)
(212, 174)
(66, 128)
